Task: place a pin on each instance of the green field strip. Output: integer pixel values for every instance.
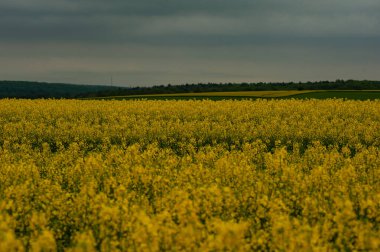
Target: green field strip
(351, 95)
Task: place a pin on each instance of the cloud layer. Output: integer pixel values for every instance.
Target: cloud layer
(176, 41)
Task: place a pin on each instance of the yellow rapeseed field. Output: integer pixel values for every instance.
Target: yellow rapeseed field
(235, 93)
(262, 94)
(268, 175)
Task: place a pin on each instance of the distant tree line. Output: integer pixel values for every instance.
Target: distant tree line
(230, 87)
(24, 89)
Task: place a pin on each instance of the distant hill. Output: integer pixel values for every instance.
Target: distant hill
(26, 89)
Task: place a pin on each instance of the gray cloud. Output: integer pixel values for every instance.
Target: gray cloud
(152, 42)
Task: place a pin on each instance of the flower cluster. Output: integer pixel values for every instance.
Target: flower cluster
(277, 175)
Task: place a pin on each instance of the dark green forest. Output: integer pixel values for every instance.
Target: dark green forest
(32, 90)
(23, 89)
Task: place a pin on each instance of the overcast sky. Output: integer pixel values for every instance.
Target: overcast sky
(149, 42)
